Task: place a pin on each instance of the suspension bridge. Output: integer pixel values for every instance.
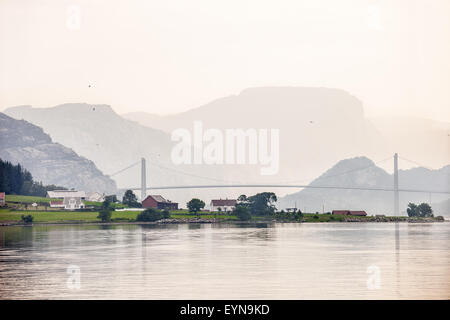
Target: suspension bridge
(229, 184)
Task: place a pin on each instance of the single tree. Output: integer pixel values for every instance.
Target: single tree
(105, 212)
(412, 210)
(242, 198)
(262, 203)
(425, 210)
(27, 219)
(165, 213)
(130, 199)
(195, 205)
(150, 214)
(242, 212)
(106, 204)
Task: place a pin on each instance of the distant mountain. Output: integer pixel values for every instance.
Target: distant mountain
(96, 132)
(49, 162)
(114, 143)
(147, 119)
(362, 172)
(320, 126)
(317, 126)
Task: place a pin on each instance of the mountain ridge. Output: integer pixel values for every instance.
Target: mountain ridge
(49, 162)
(318, 127)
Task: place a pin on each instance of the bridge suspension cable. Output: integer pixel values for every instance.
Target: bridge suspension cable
(289, 186)
(235, 184)
(122, 170)
(416, 163)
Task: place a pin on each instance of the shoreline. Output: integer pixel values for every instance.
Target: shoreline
(224, 221)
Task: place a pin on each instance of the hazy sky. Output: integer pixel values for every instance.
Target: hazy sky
(168, 56)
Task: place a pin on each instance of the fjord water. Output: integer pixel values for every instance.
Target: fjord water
(227, 261)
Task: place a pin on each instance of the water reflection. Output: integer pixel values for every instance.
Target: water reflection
(226, 261)
(397, 255)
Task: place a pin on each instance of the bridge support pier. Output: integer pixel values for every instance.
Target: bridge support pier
(396, 199)
(143, 180)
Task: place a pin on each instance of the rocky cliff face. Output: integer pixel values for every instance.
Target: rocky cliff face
(49, 162)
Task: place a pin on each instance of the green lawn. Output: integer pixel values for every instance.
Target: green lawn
(19, 202)
(98, 204)
(26, 199)
(40, 215)
(67, 216)
(59, 216)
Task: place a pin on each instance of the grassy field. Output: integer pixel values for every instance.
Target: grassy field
(46, 214)
(41, 214)
(60, 216)
(98, 204)
(128, 216)
(20, 202)
(67, 216)
(26, 199)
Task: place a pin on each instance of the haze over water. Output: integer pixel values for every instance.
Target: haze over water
(232, 261)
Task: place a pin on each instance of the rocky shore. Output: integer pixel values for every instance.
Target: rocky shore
(204, 221)
(393, 219)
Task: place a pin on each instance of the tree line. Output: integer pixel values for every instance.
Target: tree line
(15, 179)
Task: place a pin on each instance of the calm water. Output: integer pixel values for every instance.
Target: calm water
(276, 261)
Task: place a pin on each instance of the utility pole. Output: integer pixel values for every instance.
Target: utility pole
(396, 204)
(143, 180)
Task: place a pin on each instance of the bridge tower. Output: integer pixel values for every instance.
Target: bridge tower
(396, 201)
(143, 180)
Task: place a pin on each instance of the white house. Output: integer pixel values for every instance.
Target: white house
(95, 196)
(223, 205)
(67, 199)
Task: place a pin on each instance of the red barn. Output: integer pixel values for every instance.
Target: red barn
(343, 212)
(158, 202)
(358, 213)
(2, 199)
(349, 212)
